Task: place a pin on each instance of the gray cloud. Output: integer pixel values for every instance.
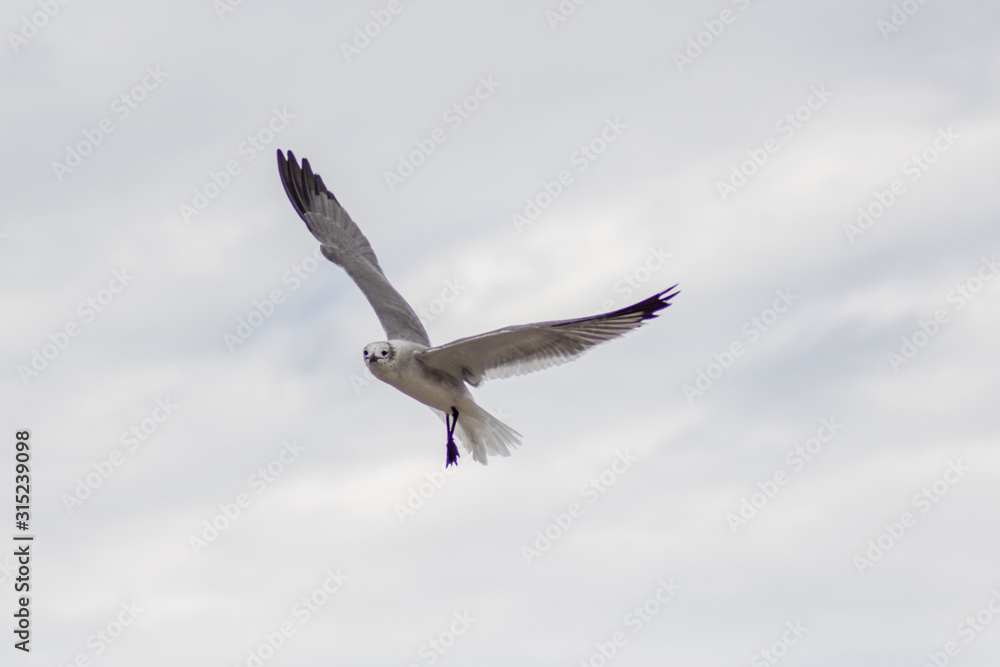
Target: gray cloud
(365, 446)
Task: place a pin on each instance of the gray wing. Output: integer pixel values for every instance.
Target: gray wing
(532, 347)
(344, 245)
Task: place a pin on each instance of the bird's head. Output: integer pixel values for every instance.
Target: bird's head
(380, 353)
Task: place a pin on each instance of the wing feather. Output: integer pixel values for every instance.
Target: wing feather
(532, 347)
(343, 244)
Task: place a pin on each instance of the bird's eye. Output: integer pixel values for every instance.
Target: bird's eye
(385, 352)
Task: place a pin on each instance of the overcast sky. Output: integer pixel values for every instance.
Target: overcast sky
(796, 463)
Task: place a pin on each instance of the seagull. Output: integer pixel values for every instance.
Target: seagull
(437, 376)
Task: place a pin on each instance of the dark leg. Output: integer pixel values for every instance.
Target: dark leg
(452, 458)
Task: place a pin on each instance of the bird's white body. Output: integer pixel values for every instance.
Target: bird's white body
(400, 368)
(396, 362)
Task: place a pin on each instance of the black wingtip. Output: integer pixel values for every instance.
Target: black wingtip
(649, 308)
(300, 182)
(290, 174)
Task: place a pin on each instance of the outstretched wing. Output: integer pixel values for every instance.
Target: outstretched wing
(345, 245)
(532, 347)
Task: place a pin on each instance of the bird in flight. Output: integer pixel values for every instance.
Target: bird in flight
(437, 376)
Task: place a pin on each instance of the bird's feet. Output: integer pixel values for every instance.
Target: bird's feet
(450, 422)
(452, 458)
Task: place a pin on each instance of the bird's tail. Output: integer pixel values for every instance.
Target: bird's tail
(483, 434)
